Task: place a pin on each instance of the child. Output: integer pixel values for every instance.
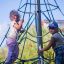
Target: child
(56, 42)
(15, 26)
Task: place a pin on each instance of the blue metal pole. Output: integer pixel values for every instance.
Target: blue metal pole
(39, 31)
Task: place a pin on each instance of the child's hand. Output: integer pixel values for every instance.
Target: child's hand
(18, 25)
(22, 21)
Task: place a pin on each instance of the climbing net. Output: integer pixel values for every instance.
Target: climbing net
(28, 10)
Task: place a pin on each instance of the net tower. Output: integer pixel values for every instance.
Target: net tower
(33, 12)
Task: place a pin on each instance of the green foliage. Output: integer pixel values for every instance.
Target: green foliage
(30, 47)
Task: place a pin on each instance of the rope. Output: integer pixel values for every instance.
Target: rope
(32, 59)
(34, 13)
(61, 32)
(5, 36)
(25, 38)
(21, 7)
(46, 16)
(59, 8)
(25, 9)
(26, 30)
(23, 46)
(47, 9)
(35, 4)
(51, 12)
(31, 40)
(20, 4)
(42, 4)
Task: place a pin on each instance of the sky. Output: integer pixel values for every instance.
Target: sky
(7, 5)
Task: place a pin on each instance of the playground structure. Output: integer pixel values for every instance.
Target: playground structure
(35, 12)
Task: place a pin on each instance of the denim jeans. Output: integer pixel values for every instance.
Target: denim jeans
(59, 52)
(13, 51)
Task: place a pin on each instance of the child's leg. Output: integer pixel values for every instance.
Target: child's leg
(13, 52)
